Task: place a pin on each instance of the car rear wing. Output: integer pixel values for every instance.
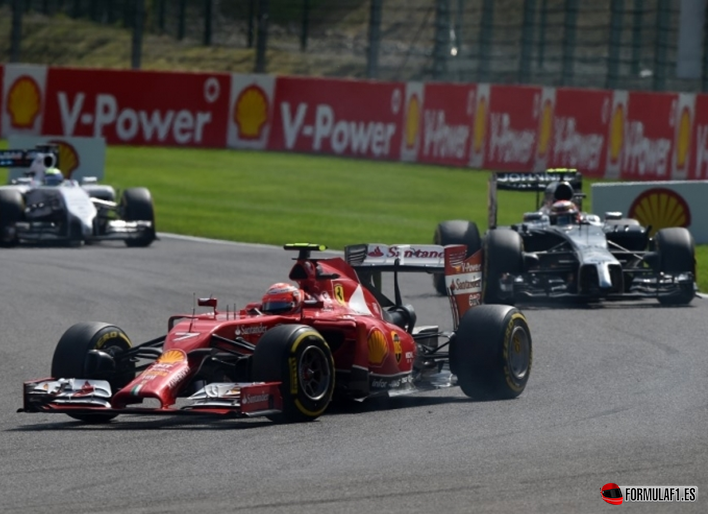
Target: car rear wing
(531, 181)
(46, 155)
(463, 275)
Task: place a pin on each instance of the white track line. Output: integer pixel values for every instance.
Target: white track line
(196, 239)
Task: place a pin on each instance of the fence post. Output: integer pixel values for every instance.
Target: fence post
(251, 15)
(372, 54)
(485, 39)
(262, 36)
(568, 61)
(16, 30)
(542, 19)
(180, 22)
(138, 22)
(441, 49)
(207, 22)
(613, 61)
(663, 14)
(637, 37)
(305, 25)
(527, 41)
(161, 16)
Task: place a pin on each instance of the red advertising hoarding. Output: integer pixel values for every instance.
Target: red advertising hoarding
(342, 117)
(578, 138)
(648, 136)
(511, 127)
(138, 107)
(446, 124)
(699, 141)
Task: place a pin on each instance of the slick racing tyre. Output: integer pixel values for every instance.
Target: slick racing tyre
(676, 254)
(491, 352)
(503, 254)
(71, 359)
(455, 232)
(299, 358)
(137, 205)
(12, 209)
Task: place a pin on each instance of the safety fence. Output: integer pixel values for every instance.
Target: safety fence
(627, 44)
(635, 135)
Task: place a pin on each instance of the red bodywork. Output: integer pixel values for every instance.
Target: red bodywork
(370, 353)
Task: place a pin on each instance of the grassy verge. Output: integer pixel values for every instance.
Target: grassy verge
(276, 198)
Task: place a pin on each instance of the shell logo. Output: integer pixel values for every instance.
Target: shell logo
(683, 138)
(378, 347)
(172, 357)
(480, 124)
(545, 127)
(68, 158)
(660, 208)
(412, 121)
(616, 133)
(251, 112)
(24, 102)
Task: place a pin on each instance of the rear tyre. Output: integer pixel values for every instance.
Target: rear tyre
(70, 358)
(455, 232)
(299, 358)
(12, 210)
(503, 254)
(491, 353)
(676, 254)
(137, 206)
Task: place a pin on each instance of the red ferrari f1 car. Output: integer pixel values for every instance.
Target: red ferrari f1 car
(286, 356)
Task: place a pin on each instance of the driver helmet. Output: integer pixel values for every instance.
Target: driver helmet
(282, 298)
(558, 191)
(53, 176)
(563, 212)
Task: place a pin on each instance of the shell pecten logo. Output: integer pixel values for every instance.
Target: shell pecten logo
(616, 133)
(412, 121)
(172, 357)
(480, 124)
(378, 347)
(683, 138)
(544, 128)
(251, 112)
(660, 207)
(68, 157)
(24, 102)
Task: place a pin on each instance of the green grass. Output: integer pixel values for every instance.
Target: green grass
(275, 198)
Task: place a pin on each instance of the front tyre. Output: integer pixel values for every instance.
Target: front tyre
(676, 254)
(71, 359)
(300, 358)
(136, 203)
(491, 352)
(503, 256)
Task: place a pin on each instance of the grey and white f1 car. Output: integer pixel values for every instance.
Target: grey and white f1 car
(34, 210)
(558, 251)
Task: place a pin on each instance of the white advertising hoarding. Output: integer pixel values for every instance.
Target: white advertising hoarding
(671, 203)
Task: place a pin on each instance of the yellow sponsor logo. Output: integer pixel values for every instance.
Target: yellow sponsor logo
(396, 346)
(683, 138)
(251, 112)
(660, 207)
(616, 133)
(172, 357)
(378, 347)
(480, 124)
(68, 157)
(412, 121)
(339, 293)
(24, 102)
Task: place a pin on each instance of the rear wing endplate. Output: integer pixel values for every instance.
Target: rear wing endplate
(46, 155)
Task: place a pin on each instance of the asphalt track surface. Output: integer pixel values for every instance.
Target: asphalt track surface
(617, 394)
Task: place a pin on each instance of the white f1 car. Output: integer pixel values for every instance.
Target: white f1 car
(32, 210)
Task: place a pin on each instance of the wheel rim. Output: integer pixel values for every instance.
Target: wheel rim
(518, 354)
(314, 373)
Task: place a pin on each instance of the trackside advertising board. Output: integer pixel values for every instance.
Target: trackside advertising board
(138, 107)
(605, 134)
(659, 204)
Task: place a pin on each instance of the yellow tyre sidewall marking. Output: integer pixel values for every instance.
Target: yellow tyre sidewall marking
(294, 385)
(507, 346)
